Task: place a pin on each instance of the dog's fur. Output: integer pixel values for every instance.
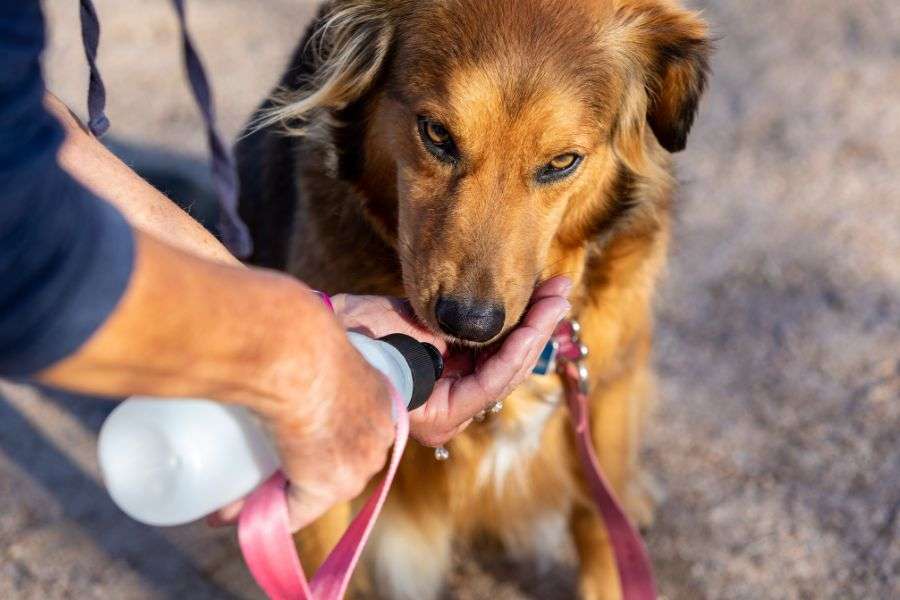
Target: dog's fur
(339, 190)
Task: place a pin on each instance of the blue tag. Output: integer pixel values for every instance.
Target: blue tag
(547, 361)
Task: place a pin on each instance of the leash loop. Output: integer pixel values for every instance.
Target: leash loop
(268, 547)
(90, 35)
(232, 229)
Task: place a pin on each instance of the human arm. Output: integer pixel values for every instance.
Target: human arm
(94, 166)
(189, 327)
(457, 397)
(88, 303)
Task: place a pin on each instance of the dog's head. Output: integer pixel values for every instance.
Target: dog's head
(491, 141)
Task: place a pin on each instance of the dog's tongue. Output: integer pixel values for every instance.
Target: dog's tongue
(459, 362)
(462, 361)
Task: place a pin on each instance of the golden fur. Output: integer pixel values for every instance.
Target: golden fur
(339, 190)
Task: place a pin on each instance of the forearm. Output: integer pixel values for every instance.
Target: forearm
(227, 328)
(190, 327)
(98, 169)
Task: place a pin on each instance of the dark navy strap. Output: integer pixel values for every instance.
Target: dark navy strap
(232, 229)
(90, 33)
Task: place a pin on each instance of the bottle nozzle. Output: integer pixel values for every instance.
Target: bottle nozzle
(425, 364)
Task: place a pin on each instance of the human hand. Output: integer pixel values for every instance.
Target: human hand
(471, 381)
(330, 419)
(331, 452)
(470, 384)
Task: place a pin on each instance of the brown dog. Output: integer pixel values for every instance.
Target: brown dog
(457, 152)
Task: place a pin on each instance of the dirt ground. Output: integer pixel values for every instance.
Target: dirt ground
(777, 438)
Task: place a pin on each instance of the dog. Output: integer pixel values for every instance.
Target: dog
(457, 153)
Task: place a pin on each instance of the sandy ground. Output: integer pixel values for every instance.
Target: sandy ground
(777, 439)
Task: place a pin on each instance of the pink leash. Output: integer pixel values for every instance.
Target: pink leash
(268, 547)
(265, 537)
(632, 560)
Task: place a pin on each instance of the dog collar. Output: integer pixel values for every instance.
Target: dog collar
(564, 343)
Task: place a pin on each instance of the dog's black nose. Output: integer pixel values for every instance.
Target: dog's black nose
(469, 319)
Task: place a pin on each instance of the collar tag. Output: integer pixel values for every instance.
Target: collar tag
(546, 363)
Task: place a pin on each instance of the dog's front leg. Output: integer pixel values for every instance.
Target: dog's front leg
(316, 541)
(618, 406)
(598, 579)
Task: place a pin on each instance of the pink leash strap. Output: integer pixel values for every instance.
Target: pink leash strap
(265, 538)
(268, 547)
(632, 560)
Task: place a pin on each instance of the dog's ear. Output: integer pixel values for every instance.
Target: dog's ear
(338, 62)
(678, 49)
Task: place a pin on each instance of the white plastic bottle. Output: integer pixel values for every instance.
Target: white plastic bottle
(170, 462)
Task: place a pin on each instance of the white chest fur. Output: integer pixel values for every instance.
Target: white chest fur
(514, 441)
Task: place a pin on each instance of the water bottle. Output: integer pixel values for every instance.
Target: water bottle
(170, 462)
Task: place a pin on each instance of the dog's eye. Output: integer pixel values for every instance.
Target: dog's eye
(558, 168)
(437, 140)
(563, 161)
(436, 133)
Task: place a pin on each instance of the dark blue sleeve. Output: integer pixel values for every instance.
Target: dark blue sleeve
(65, 255)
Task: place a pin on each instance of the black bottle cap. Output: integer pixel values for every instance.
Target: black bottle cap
(425, 364)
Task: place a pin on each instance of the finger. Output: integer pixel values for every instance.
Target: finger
(314, 489)
(542, 321)
(437, 422)
(470, 394)
(493, 377)
(546, 313)
(454, 401)
(555, 286)
(428, 421)
(527, 367)
(376, 316)
(544, 317)
(414, 326)
(531, 360)
(443, 438)
(225, 516)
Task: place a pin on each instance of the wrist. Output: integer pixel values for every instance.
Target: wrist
(299, 339)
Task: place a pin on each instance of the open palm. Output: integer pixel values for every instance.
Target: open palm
(470, 383)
